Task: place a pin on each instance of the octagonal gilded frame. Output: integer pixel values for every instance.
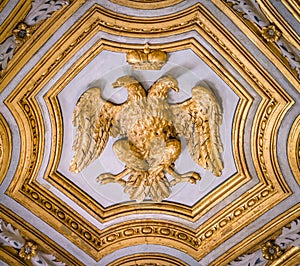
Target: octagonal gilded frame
(271, 189)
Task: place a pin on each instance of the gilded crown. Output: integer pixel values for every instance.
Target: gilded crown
(146, 59)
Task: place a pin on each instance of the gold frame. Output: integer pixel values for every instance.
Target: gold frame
(5, 147)
(294, 149)
(293, 6)
(270, 190)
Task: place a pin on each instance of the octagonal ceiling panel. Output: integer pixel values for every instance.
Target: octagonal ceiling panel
(213, 221)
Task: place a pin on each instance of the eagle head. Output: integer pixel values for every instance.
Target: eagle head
(161, 86)
(135, 90)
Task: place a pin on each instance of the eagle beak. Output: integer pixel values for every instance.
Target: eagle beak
(116, 84)
(176, 89)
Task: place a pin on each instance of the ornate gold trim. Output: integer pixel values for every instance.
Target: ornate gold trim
(16, 15)
(275, 18)
(294, 149)
(256, 240)
(255, 35)
(290, 257)
(275, 103)
(147, 4)
(5, 147)
(29, 232)
(294, 7)
(37, 40)
(147, 259)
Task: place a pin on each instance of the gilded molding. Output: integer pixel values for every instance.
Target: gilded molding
(275, 18)
(22, 234)
(294, 149)
(147, 259)
(5, 147)
(284, 52)
(276, 250)
(252, 204)
(294, 7)
(146, 4)
(23, 31)
(250, 247)
(27, 36)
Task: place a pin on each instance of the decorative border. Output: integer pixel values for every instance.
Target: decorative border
(36, 34)
(259, 35)
(147, 4)
(5, 147)
(261, 239)
(45, 243)
(271, 190)
(294, 149)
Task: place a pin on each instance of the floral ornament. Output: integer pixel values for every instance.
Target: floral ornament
(271, 251)
(22, 32)
(28, 251)
(271, 33)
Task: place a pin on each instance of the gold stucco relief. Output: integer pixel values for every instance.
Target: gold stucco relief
(150, 128)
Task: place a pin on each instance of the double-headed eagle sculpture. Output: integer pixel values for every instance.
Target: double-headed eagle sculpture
(150, 129)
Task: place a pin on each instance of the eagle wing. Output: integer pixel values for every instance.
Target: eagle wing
(199, 119)
(93, 118)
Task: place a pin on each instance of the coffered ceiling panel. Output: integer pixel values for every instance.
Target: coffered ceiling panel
(200, 107)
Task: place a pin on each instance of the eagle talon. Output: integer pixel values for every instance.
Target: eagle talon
(175, 181)
(110, 178)
(105, 180)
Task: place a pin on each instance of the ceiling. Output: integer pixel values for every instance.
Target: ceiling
(247, 52)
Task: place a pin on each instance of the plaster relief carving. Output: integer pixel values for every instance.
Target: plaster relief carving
(146, 59)
(150, 128)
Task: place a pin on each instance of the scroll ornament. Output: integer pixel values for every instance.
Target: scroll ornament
(40, 10)
(150, 130)
(273, 249)
(251, 11)
(27, 250)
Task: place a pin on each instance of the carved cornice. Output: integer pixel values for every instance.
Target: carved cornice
(146, 4)
(275, 103)
(5, 147)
